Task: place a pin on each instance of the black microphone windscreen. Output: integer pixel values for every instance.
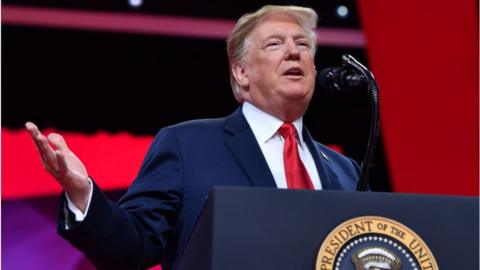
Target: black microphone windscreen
(326, 79)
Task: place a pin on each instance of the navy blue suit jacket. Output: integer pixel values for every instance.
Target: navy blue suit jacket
(151, 223)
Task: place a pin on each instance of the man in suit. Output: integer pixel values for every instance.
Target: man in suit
(263, 143)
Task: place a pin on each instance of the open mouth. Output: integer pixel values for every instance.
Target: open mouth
(295, 72)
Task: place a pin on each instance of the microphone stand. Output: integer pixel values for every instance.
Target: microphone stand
(367, 162)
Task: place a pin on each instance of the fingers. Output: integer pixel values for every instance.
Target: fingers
(32, 128)
(62, 167)
(58, 141)
(46, 152)
(61, 164)
(54, 153)
(34, 132)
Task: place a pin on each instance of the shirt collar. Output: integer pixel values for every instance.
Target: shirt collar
(264, 125)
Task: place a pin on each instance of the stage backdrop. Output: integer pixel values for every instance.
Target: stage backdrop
(425, 57)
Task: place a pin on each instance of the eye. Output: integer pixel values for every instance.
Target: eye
(273, 44)
(303, 44)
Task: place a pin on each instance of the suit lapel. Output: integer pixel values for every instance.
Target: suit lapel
(328, 177)
(241, 141)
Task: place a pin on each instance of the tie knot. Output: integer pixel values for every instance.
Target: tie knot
(287, 129)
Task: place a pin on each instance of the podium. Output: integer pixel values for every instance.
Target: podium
(260, 228)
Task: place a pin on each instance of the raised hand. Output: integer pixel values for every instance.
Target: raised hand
(63, 165)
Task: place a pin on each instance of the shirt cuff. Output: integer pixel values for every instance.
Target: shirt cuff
(79, 215)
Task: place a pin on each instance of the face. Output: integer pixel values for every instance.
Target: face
(277, 73)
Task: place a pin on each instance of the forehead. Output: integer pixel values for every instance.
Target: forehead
(277, 25)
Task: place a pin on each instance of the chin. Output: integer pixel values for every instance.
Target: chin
(298, 94)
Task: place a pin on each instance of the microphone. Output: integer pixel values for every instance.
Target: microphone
(352, 75)
(341, 78)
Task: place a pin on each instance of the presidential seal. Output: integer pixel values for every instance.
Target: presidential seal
(374, 243)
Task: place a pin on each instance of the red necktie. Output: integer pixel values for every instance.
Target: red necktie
(295, 172)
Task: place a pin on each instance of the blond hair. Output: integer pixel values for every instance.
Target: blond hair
(237, 40)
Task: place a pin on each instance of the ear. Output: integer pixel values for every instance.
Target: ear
(239, 72)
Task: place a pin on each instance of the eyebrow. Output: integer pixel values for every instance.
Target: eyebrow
(279, 36)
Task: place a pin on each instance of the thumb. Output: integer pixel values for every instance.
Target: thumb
(58, 141)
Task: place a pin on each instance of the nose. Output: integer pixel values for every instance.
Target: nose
(292, 52)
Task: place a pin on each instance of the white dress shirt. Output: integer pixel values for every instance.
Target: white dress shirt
(265, 128)
(79, 215)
